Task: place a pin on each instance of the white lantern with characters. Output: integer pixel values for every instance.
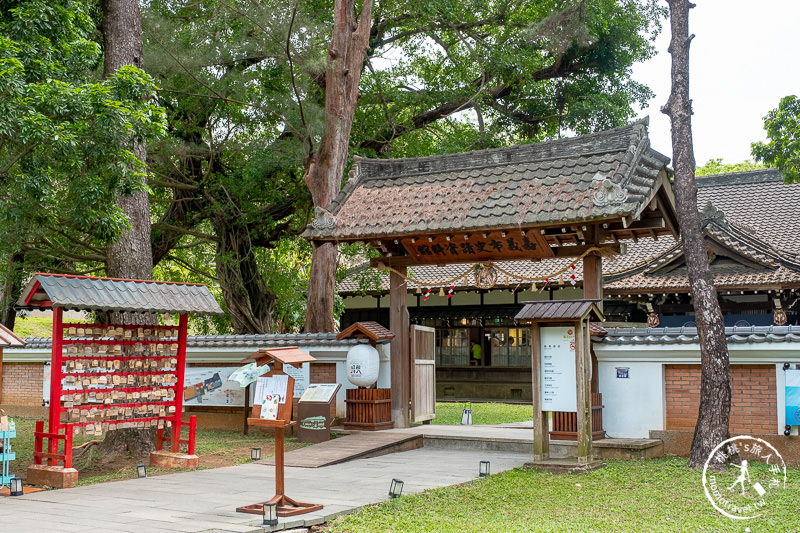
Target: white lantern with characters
(363, 362)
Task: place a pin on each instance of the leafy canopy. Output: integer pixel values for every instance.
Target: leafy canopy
(783, 131)
(65, 138)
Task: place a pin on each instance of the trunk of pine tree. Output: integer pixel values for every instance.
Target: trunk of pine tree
(325, 168)
(250, 303)
(715, 391)
(131, 255)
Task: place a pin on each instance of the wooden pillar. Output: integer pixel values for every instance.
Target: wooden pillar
(400, 368)
(583, 368)
(54, 419)
(593, 278)
(541, 431)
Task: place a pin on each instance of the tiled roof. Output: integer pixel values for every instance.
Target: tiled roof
(688, 335)
(559, 310)
(8, 339)
(83, 292)
(741, 218)
(241, 341)
(600, 176)
(759, 200)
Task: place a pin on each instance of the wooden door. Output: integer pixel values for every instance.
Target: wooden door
(423, 373)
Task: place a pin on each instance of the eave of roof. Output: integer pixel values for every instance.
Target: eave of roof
(688, 335)
(107, 294)
(610, 175)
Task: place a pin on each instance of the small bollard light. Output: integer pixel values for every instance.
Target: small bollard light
(484, 469)
(270, 510)
(16, 486)
(255, 454)
(141, 470)
(396, 488)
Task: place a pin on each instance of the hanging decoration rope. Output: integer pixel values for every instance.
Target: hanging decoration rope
(486, 275)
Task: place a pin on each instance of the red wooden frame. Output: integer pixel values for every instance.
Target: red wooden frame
(59, 394)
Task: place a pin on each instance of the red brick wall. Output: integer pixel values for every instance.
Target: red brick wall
(322, 373)
(22, 383)
(753, 402)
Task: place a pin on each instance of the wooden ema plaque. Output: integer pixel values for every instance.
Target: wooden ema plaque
(276, 359)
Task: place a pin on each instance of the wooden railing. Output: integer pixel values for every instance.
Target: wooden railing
(52, 455)
(175, 440)
(565, 424)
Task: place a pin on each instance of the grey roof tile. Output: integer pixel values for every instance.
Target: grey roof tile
(83, 292)
(495, 188)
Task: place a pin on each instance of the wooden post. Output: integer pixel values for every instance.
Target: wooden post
(280, 489)
(183, 327)
(400, 368)
(593, 278)
(584, 391)
(54, 421)
(541, 433)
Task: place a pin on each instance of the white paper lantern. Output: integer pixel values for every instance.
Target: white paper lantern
(362, 365)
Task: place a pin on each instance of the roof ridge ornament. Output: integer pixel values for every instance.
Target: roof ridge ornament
(609, 192)
(323, 219)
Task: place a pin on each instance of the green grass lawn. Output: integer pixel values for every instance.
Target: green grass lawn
(638, 496)
(214, 447)
(483, 413)
(40, 326)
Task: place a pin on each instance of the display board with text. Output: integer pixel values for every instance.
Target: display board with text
(559, 390)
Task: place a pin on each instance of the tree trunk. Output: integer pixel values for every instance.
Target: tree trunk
(131, 255)
(325, 168)
(715, 390)
(250, 303)
(11, 289)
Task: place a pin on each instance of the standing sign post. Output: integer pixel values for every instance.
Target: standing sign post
(561, 371)
(272, 408)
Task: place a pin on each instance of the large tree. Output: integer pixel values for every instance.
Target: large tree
(715, 387)
(65, 154)
(130, 255)
(783, 131)
(248, 112)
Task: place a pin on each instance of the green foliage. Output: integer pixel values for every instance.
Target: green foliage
(31, 327)
(65, 139)
(636, 495)
(716, 166)
(783, 131)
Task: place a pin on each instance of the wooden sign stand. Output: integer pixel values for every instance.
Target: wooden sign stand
(276, 358)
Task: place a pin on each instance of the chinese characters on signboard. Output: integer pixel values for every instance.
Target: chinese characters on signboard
(559, 390)
(478, 247)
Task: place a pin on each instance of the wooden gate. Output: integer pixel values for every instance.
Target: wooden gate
(423, 373)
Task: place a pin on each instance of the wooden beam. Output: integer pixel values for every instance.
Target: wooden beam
(399, 359)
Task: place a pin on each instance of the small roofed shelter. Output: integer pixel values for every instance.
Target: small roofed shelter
(134, 299)
(7, 340)
(372, 331)
(560, 337)
(576, 198)
(285, 355)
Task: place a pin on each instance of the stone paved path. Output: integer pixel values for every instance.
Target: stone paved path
(206, 500)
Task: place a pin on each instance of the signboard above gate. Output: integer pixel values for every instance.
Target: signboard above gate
(485, 246)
